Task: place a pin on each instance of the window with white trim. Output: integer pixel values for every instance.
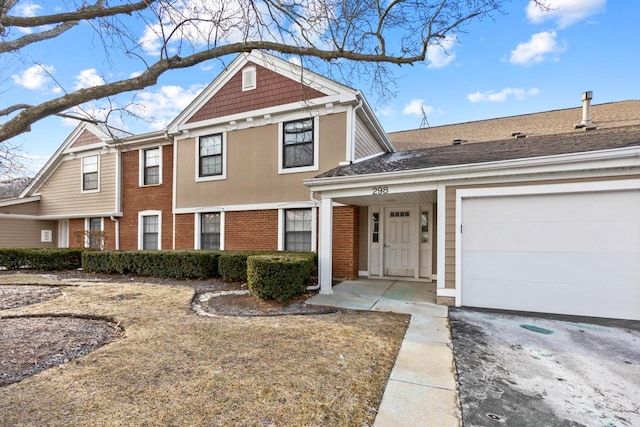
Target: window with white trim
(210, 230)
(210, 155)
(248, 78)
(150, 232)
(90, 173)
(297, 230)
(151, 166)
(94, 236)
(298, 143)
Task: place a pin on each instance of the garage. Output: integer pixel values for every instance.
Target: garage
(564, 249)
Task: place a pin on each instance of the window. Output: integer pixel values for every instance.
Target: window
(297, 144)
(424, 227)
(210, 230)
(90, 173)
(248, 78)
(151, 166)
(210, 155)
(375, 232)
(94, 237)
(150, 232)
(297, 230)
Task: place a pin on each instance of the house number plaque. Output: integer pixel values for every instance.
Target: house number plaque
(378, 191)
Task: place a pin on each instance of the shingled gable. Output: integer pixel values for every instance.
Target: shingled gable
(272, 89)
(86, 138)
(280, 85)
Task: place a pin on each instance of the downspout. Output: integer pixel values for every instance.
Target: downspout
(352, 155)
(117, 228)
(316, 202)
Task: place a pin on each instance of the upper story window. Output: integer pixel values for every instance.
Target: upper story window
(90, 173)
(150, 166)
(298, 148)
(248, 78)
(210, 156)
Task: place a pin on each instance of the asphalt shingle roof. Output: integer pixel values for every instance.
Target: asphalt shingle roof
(490, 151)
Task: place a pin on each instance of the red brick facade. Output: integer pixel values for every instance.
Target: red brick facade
(346, 228)
(152, 197)
(251, 230)
(185, 227)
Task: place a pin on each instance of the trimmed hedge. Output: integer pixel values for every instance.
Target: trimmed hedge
(41, 259)
(279, 277)
(232, 265)
(169, 264)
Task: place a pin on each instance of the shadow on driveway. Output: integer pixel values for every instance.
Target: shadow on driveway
(532, 370)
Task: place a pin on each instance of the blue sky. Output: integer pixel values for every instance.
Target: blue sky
(520, 62)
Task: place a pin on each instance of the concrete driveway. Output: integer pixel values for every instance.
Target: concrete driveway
(527, 370)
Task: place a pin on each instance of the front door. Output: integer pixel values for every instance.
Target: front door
(400, 244)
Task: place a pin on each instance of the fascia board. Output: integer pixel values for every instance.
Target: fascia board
(295, 106)
(18, 201)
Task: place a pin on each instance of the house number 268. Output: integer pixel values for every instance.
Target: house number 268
(377, 191)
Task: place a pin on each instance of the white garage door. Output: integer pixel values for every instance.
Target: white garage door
(556, 253)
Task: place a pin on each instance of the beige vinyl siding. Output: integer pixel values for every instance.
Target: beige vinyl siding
(25, 233)
(450, 229)
(61, 194)
(252, 167)
(365, 144)
(31, 208)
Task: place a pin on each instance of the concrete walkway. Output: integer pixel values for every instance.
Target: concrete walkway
(422, 388)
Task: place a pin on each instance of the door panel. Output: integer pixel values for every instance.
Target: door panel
(400, 242)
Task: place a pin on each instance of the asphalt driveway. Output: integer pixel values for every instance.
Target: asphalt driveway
(521, 370)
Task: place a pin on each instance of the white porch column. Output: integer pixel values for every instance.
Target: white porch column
(442, 228)
(325, 246)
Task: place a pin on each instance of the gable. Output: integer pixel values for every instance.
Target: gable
(86, 138)
(272, 89)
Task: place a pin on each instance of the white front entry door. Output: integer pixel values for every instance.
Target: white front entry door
(400, 241)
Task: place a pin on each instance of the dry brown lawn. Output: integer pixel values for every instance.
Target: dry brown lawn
(173, 367)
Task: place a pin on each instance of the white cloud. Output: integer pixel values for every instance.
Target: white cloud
(491, 96)
(27, 9)
(441, 54)
(385, 111)
(416, 107)
(160, 106)
(88, 78)
(34, 77)
(536, 49)
(564, 12)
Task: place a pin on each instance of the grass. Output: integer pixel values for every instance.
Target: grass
(175, 368)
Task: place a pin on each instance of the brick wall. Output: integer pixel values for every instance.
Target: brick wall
(153, 197)
(346, 226)
(185, 231)
(251, 230)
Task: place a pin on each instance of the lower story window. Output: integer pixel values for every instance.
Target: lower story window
(93, 236)
(150, 232)
(297, 230)
(210, 230)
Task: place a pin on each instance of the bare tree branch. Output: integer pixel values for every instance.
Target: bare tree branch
(185, 33)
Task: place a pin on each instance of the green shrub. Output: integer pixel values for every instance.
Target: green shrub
(278, 277)
(40, 258)
(170, 264)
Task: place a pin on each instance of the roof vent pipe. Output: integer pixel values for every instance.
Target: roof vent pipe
(586, 108)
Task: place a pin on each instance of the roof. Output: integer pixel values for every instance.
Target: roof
(556, 122)
(491, 151)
